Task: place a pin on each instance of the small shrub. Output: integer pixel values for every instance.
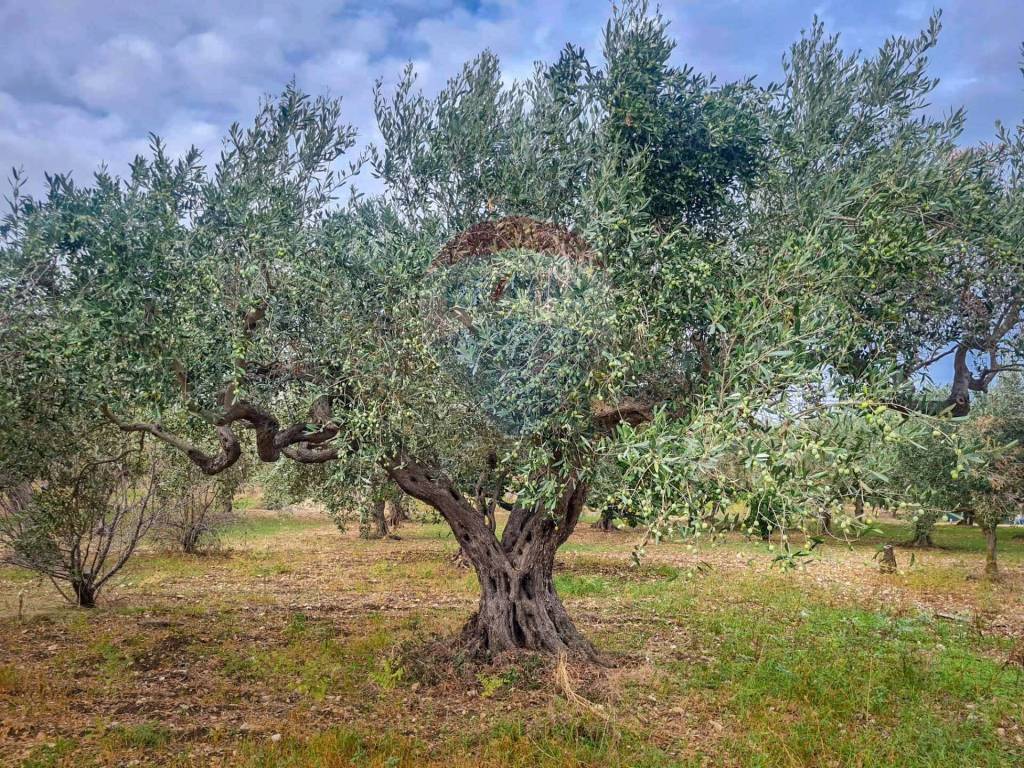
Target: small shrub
(77, 519)
(491, 684)
(197, 508)
(387, 674)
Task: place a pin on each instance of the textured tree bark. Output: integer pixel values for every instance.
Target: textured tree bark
(459, 559)
(376, 524)
(606, 521)
(858, 507)
(959, 401)
(991, 566)
(519, 607)
(85, 593)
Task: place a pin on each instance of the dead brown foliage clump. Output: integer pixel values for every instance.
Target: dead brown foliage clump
(511, 233)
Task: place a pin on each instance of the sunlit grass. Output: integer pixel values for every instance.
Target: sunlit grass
(253, 527)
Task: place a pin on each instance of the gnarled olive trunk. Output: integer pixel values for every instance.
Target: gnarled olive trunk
(519, 608)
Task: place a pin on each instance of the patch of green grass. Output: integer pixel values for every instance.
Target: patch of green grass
(952, 538)
(415, 571)
(427, 532)
(335, 748)
(263, 571)
(268, 526)
(931, 577)
(298, 625)
(16, 575)
(612, 543)
(823, 685)
(245, 503)
(565, 740)
(236, 664)
(153, 568)
(573, 585)
(110, 660)
(142, 736)
(49, 755)
(261, 564)
(315, 662)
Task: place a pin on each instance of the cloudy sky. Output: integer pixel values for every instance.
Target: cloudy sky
(84, 82)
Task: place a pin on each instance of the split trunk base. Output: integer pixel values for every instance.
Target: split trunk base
(522, 613)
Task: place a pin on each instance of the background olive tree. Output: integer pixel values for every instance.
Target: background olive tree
(921, 234)
(999, 495)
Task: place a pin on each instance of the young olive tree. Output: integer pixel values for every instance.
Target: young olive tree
(79, 519)
(196, 508)
(969, 467)
(929, 480)
(1000, 494)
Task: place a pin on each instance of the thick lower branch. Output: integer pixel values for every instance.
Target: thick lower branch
(230, 449)
(297, 442)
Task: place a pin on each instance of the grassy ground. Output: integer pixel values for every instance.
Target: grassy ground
(304, 647)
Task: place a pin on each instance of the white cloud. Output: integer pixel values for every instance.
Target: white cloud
(53, 137)
(201, 52)
(121, 71)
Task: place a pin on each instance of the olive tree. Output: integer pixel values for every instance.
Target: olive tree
(196, 508)
(378, 504)
(929, 479)
(1000, 494)
(970, 467)
(557, 271)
